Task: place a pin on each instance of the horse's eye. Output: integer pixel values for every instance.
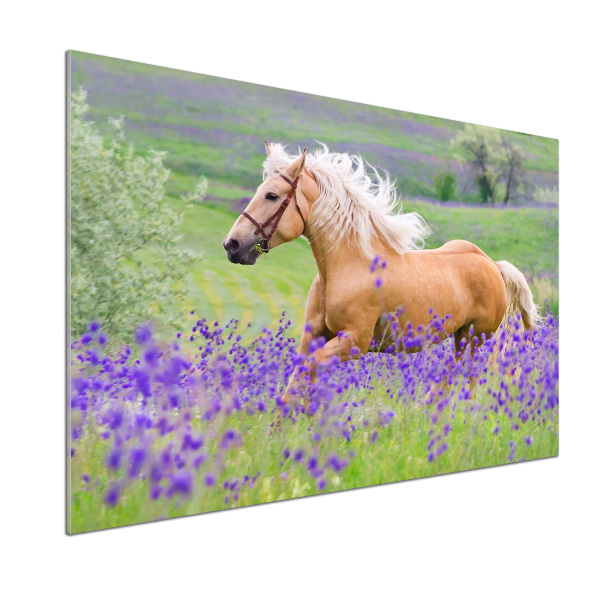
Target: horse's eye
(271, 196)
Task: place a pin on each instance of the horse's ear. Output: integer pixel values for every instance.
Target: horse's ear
(297, 166)
(267, 148)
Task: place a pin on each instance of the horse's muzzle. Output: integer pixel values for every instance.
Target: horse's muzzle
(241, 255)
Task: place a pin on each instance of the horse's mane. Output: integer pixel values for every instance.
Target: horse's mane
(354, 204)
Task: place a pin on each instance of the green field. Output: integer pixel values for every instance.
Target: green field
(216, 127)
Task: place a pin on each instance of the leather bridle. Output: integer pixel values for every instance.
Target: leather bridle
(264, 242)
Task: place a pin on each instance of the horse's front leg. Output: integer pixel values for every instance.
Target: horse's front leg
(341, 346)
(315, 327)
(301, 377)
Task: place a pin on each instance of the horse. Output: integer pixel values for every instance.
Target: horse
(350, 215)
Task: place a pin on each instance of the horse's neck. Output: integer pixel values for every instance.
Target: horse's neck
(329, 262)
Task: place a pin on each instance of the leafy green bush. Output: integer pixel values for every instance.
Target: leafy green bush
(126, 264)
(445, 185)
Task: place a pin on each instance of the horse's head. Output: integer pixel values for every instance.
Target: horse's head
(276, 214)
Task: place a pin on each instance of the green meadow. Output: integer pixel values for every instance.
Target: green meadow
(215, 128)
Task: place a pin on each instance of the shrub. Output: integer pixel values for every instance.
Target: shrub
(545, 195)
(126, 263)
(199, 192)
(445, 185)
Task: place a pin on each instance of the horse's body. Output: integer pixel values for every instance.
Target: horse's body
(348, 220)
(457, 279)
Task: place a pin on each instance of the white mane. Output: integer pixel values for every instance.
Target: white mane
(353, 204)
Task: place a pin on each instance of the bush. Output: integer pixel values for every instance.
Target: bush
(445, 185)
(199, 192)
(545, 195)
(126, 264)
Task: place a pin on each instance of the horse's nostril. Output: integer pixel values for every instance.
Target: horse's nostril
(232, 246)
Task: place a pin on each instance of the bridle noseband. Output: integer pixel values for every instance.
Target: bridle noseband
(264, 242)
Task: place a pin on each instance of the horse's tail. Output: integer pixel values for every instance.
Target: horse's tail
(520, 298)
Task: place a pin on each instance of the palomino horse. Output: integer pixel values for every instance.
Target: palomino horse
(348, 217)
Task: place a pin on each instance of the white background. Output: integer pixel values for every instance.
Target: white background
(523, 531)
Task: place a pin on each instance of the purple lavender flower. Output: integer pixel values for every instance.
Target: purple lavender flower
(143, 335)
(137, 456)
(374, 264)
(181, 483)
(111, 497)
(114, 459)
(151, 355)
(336, 463)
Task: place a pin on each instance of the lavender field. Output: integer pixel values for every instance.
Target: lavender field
(179, 421)
(161, 429)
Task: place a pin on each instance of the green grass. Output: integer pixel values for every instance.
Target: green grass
(526, 237)
(176, 112)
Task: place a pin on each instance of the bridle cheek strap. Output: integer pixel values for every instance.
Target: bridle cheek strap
(264, 242)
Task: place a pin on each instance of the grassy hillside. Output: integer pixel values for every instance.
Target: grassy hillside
(216, 127)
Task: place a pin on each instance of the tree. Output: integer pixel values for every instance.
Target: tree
(497, 162)
(477, 145)
(511, 160)
(126, 264)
